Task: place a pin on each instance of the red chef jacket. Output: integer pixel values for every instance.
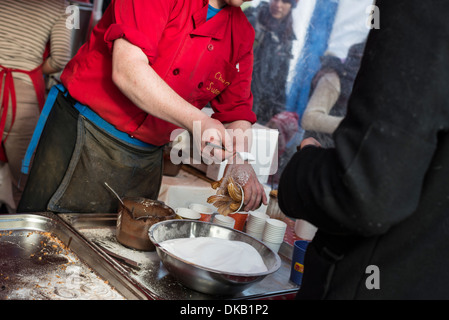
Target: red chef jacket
(203, 61)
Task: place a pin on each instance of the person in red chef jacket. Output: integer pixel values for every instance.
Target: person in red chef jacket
(148, 68)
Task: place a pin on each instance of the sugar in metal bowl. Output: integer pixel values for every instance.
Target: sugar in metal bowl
(201, 278)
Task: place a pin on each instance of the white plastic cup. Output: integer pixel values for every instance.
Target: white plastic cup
(225, 221)
(205, 211)
(305, 230)
(186, 213)
(274, 231)
(256, 221)
(273, 246)
(258, 216)
(273, 239)
(256, 235)
(275, 224)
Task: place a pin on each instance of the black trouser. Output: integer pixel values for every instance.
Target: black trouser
(73, 160)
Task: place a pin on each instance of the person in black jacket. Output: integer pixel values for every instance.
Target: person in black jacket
(380, 198)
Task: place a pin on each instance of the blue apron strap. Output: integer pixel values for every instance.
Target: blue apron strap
(51, 98)
(109, 128)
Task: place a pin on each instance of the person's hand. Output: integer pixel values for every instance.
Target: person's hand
(211, 140)
(243, 174)
(309, 142)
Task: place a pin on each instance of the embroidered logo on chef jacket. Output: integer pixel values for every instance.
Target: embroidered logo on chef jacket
(299, 267)
(212, 87)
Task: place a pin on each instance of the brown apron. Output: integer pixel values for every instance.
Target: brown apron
(37, 79)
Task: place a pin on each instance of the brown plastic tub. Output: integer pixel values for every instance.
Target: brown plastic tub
(135, 218)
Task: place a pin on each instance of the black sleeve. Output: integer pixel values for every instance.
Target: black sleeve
(373, 178)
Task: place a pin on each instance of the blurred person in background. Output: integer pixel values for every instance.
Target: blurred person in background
(331, 86)
(273, 23)
(26, 29)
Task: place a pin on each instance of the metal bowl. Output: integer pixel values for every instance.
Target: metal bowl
(201, 278)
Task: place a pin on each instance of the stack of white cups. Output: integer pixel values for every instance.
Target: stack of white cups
(305, 230)
(273, 233)
(224, 221)
(256, 224)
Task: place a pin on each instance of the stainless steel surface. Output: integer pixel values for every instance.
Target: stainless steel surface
(204, 279)
(41, 257)
(127, 261)
(154, 279)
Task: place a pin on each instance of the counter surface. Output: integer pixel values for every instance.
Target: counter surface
(152, 277)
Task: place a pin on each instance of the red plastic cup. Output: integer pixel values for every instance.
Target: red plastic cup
(240, 219)
(205, 211)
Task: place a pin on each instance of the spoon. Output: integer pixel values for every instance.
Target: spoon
(115, 193)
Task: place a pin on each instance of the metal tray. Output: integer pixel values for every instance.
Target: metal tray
(146, 269)
(42, 258)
